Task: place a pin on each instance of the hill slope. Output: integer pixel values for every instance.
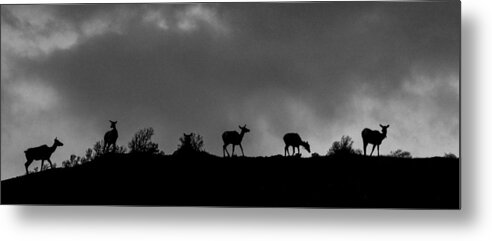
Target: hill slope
(355, 182)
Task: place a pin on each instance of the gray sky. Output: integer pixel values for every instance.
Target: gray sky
(320, 69)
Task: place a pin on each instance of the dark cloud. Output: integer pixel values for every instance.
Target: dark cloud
(321, 69)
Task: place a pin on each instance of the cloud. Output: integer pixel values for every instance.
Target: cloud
(321, 69)
(187, 18)
(34, 31)
(156, 17)
(29, 97)
(192, 16)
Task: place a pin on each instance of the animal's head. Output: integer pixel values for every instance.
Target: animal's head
(57, 142)
(306, 146)
(113, 123)
(384, 128)
(244, 129)
(187, 138)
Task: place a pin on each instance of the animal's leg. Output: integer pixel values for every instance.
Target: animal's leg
(378, 150)
(373, 146)
(293, 150)
(27, 165)
(233, 146)
(241, 146)
(225, 150)
(42, 165)
(51, 164)
(286, 150)
(365, 146)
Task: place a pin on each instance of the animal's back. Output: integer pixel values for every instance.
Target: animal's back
(292, 138)
(229, 136)
(366, 132)
(37, 152)
(111, 135)
(36, 148)
(371, 136)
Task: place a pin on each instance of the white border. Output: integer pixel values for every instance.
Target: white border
(471, 223)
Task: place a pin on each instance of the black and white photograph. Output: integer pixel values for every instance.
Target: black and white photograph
(245, 104)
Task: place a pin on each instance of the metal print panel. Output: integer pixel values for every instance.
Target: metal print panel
(312, 104)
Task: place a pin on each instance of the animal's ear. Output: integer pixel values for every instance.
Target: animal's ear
(381, 126)
(387, 126)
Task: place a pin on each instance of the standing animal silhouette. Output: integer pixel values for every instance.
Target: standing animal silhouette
(187, 148)
(41, 153)
(294, 140)
(373, 137)
(234, 138)
(110, 137)
(187, 138)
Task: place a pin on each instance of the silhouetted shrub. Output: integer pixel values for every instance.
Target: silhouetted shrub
(450, 155)
(342, 147)
(190, 144)
(400, 154)
(98, 149)
(192, 141)
(141, 142)
(73, 161)
(120, 149)
(315, 154)
(66, 164)
(47, 166)
(88, 156)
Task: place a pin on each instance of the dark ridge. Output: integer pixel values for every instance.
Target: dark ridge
(201, 179)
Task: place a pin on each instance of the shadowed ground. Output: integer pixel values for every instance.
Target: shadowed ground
(204, 180)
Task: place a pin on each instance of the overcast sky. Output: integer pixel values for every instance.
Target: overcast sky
(320, 69)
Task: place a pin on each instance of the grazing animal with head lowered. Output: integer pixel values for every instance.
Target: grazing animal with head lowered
(373, 137)
(294, 140)
(41, 153)
(110, 137)
(234, 138)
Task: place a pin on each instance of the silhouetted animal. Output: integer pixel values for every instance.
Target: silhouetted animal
(187, 139)
(111, 136)
(373, 137)
(294, 140)
(186, 145)
(234, 138)
(41, 153)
